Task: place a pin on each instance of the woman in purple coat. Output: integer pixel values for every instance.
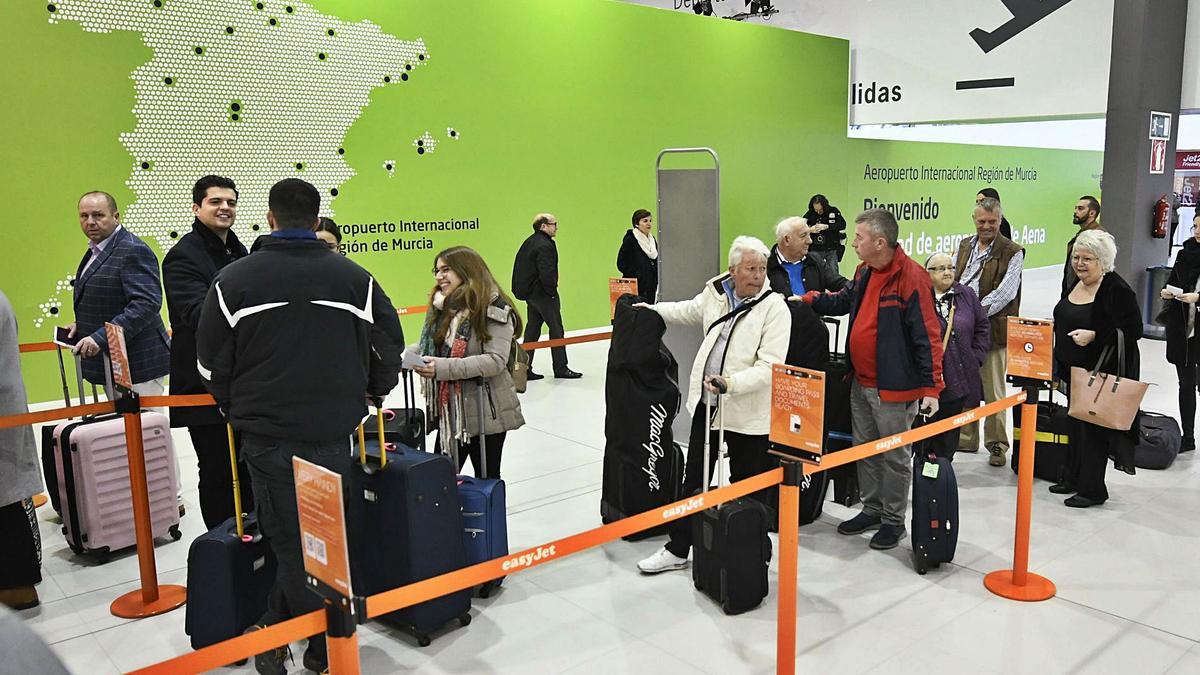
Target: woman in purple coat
(965, 344)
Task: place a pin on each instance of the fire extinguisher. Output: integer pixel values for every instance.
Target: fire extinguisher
(1162, 218)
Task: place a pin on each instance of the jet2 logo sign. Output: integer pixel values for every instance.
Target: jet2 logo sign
(1025, 14)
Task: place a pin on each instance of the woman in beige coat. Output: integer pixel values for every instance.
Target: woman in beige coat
(467, 344)
(20, 479)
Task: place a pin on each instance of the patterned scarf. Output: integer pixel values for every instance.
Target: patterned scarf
(445, 397)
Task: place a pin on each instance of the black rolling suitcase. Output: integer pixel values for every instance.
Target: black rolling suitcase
(230, 570)
(405, 524)
(839, 433)
(643, 466)
(934, 529)
(1051, 445)
(730, 546)
(403, 426)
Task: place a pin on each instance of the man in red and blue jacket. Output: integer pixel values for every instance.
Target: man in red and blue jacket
(895, 354)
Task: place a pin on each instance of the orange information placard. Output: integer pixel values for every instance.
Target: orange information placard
(322, 528)
(118, 356)
(618, 286)
(1030, 348)
(797, 408)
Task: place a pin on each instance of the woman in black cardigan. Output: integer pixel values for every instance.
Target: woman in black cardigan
(1086, 321)
(1183, 340)
(638, 256)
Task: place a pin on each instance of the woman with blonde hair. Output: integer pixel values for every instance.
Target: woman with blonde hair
(467, 344)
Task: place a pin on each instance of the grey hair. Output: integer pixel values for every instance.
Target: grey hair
(882, 224)
(1100, 244)
(743, 245)
(788, 226)
(991, 206)
(929, 260)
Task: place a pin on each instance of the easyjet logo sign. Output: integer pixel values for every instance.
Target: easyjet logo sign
(528, 559)
(693, 504)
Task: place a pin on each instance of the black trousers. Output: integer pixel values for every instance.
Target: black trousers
(216, 478)
(541, 308)
(747, 457)
(1187, 399)
(945, 444)
(19, 566)
(1087, 458)
(270, 462)
(470, 449)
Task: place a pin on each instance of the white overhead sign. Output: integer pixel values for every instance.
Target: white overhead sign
(960, 60)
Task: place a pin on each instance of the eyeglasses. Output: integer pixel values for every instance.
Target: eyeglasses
(440, 270)
(1083, 259)
(941, 268)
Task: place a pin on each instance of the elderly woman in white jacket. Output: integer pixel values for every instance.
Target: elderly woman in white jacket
(746, 330)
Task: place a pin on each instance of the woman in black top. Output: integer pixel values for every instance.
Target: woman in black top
(1179, 317)
(1086, 320)
(828, 229)
(1005, 228)
(638, 256)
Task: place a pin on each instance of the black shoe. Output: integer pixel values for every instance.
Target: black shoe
(270, 662)
(887, 537)
(567, 374)
(859, 524)
(1081, 502)
(1189, 444)
(315, 664)
(1063, 488)
(530, 376)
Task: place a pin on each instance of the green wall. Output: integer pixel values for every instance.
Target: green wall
(555, 106)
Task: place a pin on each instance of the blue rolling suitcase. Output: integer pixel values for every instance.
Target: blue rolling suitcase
(405, 525)
(934, 511)
(484, 510)
(230, 573)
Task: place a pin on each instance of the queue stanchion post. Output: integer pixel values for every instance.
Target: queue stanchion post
(1019, 583)
(789, 551)
(341, 634)
(151, 599)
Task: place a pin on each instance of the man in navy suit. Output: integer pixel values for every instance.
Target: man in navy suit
(118, 282)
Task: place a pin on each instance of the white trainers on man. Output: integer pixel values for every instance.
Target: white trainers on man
(662, 561)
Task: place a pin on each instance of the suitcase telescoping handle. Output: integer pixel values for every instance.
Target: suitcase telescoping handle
(481, 471)
(708, 436)
(237, 486)
(362, 441)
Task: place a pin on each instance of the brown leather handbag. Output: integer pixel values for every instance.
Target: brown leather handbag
(1104, 399)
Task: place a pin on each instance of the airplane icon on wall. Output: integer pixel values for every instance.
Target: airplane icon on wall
(1025, 14)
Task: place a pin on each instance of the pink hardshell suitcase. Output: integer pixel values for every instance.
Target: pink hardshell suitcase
(93, 482)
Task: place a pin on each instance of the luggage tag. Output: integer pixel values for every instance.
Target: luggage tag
(930, 470)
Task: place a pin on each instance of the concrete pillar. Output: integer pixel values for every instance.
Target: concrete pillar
(1145, 73)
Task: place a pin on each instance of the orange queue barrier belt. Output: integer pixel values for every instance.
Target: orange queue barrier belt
(389, 601)
(527, 346)
(247, 646)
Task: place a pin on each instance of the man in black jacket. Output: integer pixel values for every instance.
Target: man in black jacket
(809, 343)
(535, 280)
(292, 342)
(188, 271)
(789, 269)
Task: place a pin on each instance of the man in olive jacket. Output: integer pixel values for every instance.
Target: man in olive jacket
(990, 264)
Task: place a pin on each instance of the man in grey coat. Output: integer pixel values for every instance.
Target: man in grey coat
(20, 477)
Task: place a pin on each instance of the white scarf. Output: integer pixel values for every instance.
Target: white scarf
(649, 246)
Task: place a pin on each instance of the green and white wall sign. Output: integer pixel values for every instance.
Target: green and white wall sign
(426, 126)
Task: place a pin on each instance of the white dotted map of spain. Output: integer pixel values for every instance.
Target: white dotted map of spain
(257, 91)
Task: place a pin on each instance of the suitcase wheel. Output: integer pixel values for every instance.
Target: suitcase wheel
(485, 590)
(176, 535)
(423, 640)
(919, 563)
(102, 555)
(464, 620)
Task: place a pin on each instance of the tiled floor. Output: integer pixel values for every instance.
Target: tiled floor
(1128, 597)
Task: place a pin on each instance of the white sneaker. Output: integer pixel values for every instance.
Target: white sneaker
(662, 561)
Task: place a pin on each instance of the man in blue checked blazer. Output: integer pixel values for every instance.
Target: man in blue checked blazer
(118, 281)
